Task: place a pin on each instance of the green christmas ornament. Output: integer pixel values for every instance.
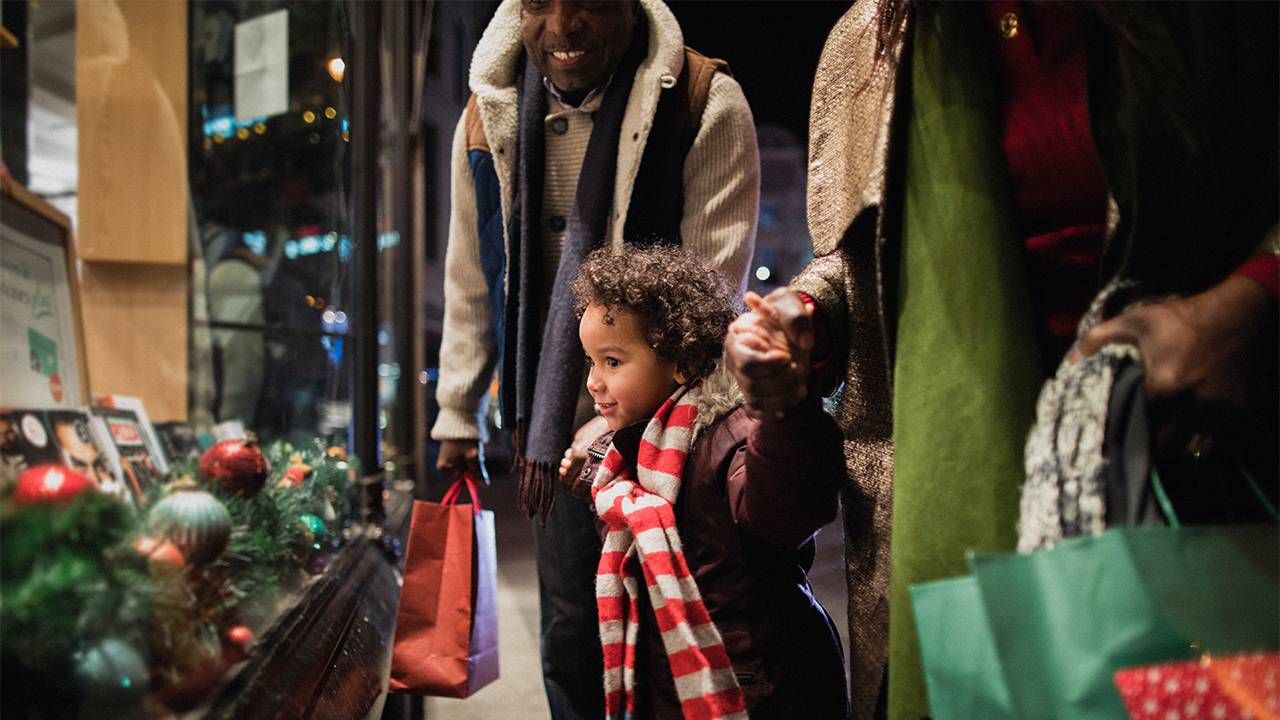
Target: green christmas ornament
(195, 521)
(112, 676)
(315, 529)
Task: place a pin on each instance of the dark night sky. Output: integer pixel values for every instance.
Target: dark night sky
(772, 48)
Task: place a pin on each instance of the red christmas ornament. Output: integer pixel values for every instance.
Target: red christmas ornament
(238, 641)
(49, 485)
(241, 637)
(166, 553)
(237, 466)
(295, 475)
(159, 552)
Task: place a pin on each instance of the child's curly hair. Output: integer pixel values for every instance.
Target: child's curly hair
(683, 305)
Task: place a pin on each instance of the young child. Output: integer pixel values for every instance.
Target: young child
(705, 606)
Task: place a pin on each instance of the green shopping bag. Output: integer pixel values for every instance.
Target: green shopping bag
(1040, 635)
(1065, 619)
(961, 669)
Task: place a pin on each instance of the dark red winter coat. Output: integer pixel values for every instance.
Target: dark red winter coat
(754, 494)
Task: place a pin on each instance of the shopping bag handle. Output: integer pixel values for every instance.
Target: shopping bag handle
(451, 495)
(1162, 498)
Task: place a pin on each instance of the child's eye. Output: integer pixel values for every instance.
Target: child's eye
(612, 362)
(589, 363)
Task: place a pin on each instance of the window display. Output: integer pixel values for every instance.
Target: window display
(143, 610)
(175, 529)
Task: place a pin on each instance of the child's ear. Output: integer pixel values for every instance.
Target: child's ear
(681, 378)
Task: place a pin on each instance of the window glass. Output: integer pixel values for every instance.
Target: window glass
(270, 203)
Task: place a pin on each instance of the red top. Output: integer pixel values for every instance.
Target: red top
(1058, 187)
(1263, 269)
(1059, 191)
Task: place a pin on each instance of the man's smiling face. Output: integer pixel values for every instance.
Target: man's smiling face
(577, 44)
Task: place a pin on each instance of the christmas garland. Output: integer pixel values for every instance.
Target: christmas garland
(123, 601)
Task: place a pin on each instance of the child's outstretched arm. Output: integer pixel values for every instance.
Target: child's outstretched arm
(783, 484)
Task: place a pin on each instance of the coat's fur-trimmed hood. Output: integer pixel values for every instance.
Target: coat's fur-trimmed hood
(720, 396)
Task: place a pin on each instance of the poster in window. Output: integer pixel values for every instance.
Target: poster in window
(41, 357)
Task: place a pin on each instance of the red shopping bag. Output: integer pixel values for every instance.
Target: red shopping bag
(1233, 687)
(446, 640)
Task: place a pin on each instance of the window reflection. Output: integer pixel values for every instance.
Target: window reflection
(269, 194)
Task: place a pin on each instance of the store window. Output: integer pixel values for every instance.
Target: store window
(219, 248)
(269, 164)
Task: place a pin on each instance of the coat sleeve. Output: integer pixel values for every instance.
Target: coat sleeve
(468, 347)
(722, 184)
(826, 281)
(783, 484)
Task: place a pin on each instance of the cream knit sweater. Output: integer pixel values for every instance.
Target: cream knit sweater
(721, 183)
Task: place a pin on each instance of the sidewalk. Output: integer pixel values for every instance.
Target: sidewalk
(518, 692)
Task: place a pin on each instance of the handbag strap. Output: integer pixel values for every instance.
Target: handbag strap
(1166, 506)
(451, 495)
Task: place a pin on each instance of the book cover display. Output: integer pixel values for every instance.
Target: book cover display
(30, 437)
(138, 466)
(180, 441)
(149, 435)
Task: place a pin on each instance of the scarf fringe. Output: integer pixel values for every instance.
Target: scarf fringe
(537, 488)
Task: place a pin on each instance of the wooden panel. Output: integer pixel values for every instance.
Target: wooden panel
(131, 115)
(135, 329)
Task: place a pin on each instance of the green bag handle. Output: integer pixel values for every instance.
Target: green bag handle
(1162, 498)
(1166, 507)
(1257, 492)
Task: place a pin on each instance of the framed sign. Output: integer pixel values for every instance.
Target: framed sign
(42, 361)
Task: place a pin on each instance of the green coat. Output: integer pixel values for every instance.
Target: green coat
(1193, 180)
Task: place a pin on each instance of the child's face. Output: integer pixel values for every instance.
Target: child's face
(626, 378)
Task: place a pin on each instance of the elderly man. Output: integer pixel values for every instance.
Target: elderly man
(590, 123)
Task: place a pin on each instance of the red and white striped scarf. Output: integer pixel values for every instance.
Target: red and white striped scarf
(636, 504)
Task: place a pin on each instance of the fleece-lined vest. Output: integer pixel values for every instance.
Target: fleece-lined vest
(657, 200)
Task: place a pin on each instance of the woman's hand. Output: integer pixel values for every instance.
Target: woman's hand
(767, 350)
(1199, 353)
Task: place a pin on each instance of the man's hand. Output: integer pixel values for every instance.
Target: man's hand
(576, 454)
(1199, 353)
(457, 456)
(767, 350)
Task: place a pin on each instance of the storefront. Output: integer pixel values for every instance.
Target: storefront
(221, 243)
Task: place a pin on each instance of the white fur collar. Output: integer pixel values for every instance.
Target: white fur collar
(494, 63)
(493, 80)
(720, 396)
